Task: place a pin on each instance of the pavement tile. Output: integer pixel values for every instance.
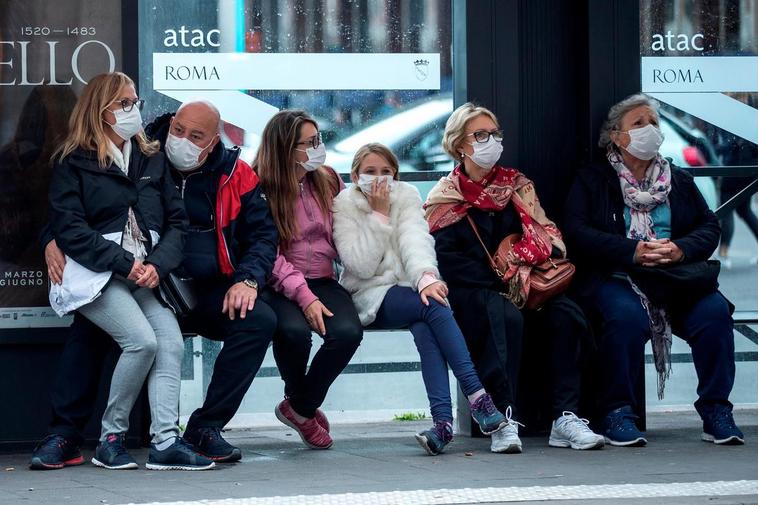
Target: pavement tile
(384, 457)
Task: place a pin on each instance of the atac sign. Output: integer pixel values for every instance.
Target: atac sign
(16, 58)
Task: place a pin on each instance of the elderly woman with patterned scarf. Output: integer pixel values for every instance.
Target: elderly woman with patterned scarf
(481, 197)
(640, 234)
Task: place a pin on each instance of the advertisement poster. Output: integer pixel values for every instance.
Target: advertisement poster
(48, 51)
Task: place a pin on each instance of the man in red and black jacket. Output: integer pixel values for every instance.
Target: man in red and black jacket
(230, 251)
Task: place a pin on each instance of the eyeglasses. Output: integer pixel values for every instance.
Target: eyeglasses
(127, 105)
(482, 136)
(314, 142)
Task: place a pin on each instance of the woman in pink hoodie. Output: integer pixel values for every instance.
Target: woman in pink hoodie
(306, 296)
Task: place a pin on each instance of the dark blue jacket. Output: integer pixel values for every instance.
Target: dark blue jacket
(246, 233)
(595, 231)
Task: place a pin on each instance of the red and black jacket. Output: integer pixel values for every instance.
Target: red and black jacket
(247, 236)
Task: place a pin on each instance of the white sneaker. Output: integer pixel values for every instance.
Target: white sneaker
(569, 430)
(506, 438)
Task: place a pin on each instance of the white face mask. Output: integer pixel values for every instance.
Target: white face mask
(366, 182)
(645, 142)
(486, 154)
(183, 154)
(316, 157)
(128, 124)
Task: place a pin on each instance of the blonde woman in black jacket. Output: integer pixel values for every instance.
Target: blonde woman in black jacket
(116, 215)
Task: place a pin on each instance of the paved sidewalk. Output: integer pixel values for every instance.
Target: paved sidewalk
(385, 461)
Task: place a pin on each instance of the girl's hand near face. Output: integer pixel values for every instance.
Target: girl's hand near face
(379, 199)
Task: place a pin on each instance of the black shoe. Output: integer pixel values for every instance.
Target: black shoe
(209, 442)
(178, 456)
(55, 452)
(112, 454)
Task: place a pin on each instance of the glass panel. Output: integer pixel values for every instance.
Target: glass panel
(402, 103)
(47, 54)
(700, 60)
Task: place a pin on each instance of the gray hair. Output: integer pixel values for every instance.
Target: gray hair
(214, 110)
(618, 111)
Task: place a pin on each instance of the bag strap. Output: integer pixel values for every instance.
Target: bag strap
(493, 266)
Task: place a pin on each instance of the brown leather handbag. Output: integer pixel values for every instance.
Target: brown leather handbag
(546, 280)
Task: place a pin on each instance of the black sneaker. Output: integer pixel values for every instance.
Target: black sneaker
(55, 452)
(112, 454)
(209, 442)
(719, 426)
(178, 456)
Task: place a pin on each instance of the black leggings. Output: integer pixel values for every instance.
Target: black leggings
(292, 344)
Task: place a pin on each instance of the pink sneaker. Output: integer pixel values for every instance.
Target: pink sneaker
(310, 431)
(321, 419)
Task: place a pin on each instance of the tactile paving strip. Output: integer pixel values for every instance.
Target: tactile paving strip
(500, 494)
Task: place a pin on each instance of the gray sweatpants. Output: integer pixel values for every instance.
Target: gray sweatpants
(152, 347)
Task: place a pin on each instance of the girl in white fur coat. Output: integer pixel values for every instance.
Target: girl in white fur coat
(391, 272)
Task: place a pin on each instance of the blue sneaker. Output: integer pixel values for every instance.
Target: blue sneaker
(719, 426)
(619, 428)
(111, 454)
(486, 415)
(178, 456)
(209, 442)
(434, 440)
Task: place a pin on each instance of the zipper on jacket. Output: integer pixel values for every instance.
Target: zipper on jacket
(184, 182)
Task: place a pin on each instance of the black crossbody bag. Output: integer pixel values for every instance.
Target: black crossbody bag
(180, 293)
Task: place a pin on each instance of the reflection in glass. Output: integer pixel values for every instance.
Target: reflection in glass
(704, 28)
(317, 26)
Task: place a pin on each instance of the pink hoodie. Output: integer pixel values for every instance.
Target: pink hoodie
(311, 255)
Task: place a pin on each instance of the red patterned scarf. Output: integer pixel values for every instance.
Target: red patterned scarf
(454, 194)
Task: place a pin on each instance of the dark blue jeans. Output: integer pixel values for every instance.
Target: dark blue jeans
(439, 342)
(706, 326)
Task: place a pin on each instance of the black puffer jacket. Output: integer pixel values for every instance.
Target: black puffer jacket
(87, 202)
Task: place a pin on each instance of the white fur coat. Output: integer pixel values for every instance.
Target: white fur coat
(377, 256)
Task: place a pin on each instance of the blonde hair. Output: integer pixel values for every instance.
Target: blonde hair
(380, 150)
(85, 126)
(455, 128)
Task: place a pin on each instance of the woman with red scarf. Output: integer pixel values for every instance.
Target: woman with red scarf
(502, 201)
